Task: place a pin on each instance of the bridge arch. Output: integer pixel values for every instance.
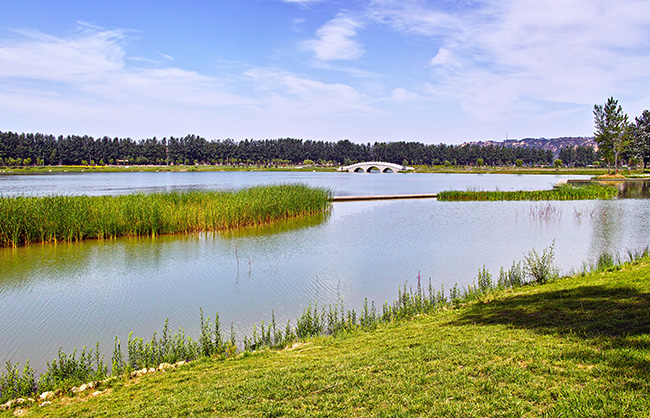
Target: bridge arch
(381, 167)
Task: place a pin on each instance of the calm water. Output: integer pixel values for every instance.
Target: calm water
(72, 295)
(343, 184)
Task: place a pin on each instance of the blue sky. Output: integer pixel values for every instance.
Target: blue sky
(367, 70)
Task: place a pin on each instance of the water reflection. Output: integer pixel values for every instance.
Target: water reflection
(282, 226)
(633, 189)
(608, 221)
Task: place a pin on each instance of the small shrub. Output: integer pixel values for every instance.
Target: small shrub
(13, 384)
(540, 268)
(516, 275)
(606, 261)
(484, 280)
(68, 370)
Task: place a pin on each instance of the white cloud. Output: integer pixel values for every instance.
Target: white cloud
(335, 40)
(516, 58)
(444, 57)
(403, 95)
(303, 3)
(307, 96)
(88, 84)
(411, 16)
(45, 57)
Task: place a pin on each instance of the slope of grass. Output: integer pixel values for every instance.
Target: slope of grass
(74, 218)
(579, 346)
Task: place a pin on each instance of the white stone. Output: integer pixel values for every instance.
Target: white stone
(46, 395)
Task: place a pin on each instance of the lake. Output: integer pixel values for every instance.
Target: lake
(70, 295)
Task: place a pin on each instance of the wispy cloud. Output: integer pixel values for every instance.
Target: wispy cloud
(46, 57)
(314, 97)
(335, 40)
(303, 3)
(88, 84)
(412, 16)
(402, 95)
(514, 57)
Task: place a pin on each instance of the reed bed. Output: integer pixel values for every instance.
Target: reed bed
(54, 219)
(564, 192)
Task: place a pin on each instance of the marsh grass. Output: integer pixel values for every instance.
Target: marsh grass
(54, 219)
(563, 192)
(545, 211)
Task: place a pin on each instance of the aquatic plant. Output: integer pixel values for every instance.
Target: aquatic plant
(54, 219)
(563, 192)
(545, 211)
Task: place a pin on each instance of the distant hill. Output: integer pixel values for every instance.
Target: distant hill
(553, 144)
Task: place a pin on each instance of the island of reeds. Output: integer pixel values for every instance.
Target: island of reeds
(52, 219)
(562, 192)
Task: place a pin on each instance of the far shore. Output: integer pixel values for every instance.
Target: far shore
(590, 171)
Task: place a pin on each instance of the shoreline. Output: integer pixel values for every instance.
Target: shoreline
(488, 312)
(32, 170)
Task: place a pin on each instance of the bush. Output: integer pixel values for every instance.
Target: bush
(13, 385)
(70, 370)
(540, 268)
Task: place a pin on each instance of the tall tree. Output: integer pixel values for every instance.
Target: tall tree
(641, 137)
(612, 131)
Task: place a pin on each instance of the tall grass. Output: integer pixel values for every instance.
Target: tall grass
(54, 219)
(563, 192)
(69, 370)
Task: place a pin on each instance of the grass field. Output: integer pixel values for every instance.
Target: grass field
(578, 346)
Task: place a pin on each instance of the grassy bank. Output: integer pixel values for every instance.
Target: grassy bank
(577, 346)
(72, 218)
(564, 192)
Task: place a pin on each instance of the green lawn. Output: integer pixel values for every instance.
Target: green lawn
(577, 347)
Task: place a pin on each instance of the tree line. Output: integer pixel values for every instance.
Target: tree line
(619, 139)
(41, 149)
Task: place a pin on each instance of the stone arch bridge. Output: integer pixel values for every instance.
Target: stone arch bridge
(368, 167)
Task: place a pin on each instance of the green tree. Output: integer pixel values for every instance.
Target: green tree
(557, 163)
(612, 131)
(641, 137)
